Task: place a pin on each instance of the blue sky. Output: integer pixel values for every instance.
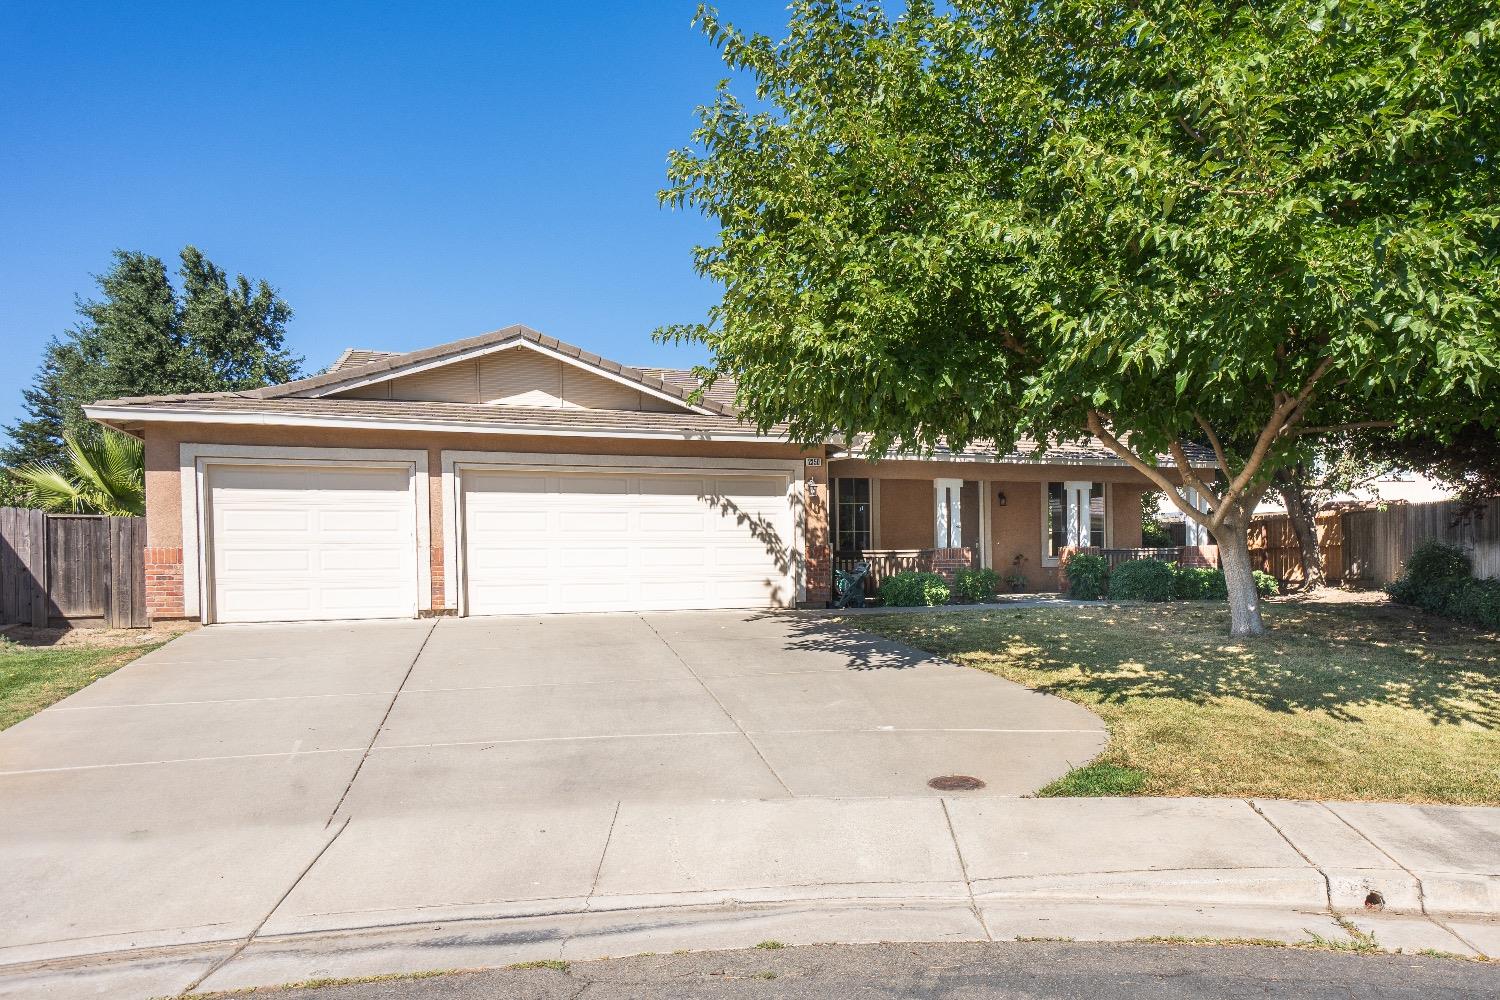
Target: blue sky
(404, 174)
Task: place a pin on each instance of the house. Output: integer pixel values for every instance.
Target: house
(513, 473)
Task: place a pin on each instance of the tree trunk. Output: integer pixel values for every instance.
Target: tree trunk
(1303, 517)
(1244, 599)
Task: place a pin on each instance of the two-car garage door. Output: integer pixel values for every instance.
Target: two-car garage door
(334, 541)
(537, 541)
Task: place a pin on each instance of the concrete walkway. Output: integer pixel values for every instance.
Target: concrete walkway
(391, 894)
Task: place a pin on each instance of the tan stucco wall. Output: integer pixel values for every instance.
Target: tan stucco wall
(164, 488)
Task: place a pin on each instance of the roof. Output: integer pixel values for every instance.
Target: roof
(353, 357)
(392, 365)
(1083, 451)
(463, 417)
(722, 390)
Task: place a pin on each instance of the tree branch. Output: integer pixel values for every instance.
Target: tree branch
(1218, 447)
(1359, 425)
(1149, 470)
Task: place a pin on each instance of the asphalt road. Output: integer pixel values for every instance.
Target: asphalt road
(1000, 971)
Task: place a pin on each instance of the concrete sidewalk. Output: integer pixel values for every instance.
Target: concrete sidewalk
(502, 885)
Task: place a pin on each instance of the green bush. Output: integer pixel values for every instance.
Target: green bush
(1141, 580)
(914, 590)
(975, 584)
(1432, 577)
(1088, 576)
(1266, 584)
(1476, 602)
(1199, 583)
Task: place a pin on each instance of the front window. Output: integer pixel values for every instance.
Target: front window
(1074, 516)
(851, 520)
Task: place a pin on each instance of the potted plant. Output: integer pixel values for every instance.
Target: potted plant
(1016, 578)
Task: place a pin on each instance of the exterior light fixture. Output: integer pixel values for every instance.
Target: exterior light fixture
(1000, 498)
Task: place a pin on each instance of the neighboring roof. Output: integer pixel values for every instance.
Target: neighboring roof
(461, 417)
(1088, 451)
(353, 357)
(722, 390)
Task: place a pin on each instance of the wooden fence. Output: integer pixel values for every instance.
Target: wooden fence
(1274, 547)
(1368, 547)
(75, 569)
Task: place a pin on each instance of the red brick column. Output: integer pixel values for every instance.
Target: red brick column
(437, 580)
(946, 562)
(818, 557)
(164, 582)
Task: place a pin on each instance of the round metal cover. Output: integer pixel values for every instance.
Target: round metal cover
(955, 783)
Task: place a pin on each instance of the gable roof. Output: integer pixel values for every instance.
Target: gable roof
(389, 366)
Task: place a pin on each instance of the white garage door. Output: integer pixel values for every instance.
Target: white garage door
(304, 543)
(617, 541)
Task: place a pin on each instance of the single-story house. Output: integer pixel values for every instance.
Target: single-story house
(512, 473)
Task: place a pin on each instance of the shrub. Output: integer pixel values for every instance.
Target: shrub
(1141, 580)
(975, 584)
(1432, 577)
(1266, 584)
(1476, 602)
(914, 590)
(1088, 576)
(1199, 583)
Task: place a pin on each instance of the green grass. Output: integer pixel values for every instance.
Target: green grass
(556, 965)
(1372, 702)
(33, 677)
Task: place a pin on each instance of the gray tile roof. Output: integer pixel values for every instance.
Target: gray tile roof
(480, 416)
(722, 390)
(353, 357)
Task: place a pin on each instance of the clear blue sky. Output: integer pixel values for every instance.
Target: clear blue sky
(404, 174)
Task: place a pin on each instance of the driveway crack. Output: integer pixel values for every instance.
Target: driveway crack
(255, 932)
(383, 719)
(727, 714)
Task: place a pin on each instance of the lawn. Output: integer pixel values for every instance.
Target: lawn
(1338, 702)
(33, 677)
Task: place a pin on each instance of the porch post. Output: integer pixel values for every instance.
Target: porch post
(986, 487)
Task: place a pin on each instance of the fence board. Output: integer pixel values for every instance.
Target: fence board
(76, 568)
(1377, 543)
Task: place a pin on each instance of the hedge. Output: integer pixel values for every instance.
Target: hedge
(1088, 576)
(975, 584)
(1141, 580)
(1439, 578)
(913, 590)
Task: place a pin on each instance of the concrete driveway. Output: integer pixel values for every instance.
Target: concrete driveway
(195, 792)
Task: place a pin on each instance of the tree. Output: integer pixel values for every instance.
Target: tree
(1245, 224)
(105, 474)
(1306, 484)
(142, 337)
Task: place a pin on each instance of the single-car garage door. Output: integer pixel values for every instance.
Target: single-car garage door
(624, 541)
(307, 543)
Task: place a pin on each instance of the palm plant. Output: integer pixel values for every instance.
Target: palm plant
(105, 474)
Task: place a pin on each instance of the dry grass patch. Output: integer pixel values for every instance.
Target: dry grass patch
(1370, 702)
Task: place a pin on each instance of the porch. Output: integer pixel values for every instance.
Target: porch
(1016, 519)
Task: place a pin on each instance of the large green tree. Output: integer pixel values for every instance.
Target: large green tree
(143, 337)
(1240, 223)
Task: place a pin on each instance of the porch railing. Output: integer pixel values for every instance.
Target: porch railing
(886, 562)
(1186, 555)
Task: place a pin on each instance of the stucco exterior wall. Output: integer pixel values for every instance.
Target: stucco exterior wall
(164, 526)
(906, 512)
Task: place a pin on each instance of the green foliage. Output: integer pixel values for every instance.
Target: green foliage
(975, 584)
(1199, 583)
(914, 590)
(1016, 217)
(1476, 602)
(1096, 779)
(1141, 580)
(105, 474)
(1153, 535)
(1432, 576)
(144, 338)
(1266, 584)
(1088, 576)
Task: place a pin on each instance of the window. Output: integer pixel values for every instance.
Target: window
(851, 515)
(1074, 515)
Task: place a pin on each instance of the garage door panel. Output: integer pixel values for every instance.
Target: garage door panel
(622, 541)
(295, 543)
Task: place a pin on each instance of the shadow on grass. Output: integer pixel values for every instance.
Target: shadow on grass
(1334, 659)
